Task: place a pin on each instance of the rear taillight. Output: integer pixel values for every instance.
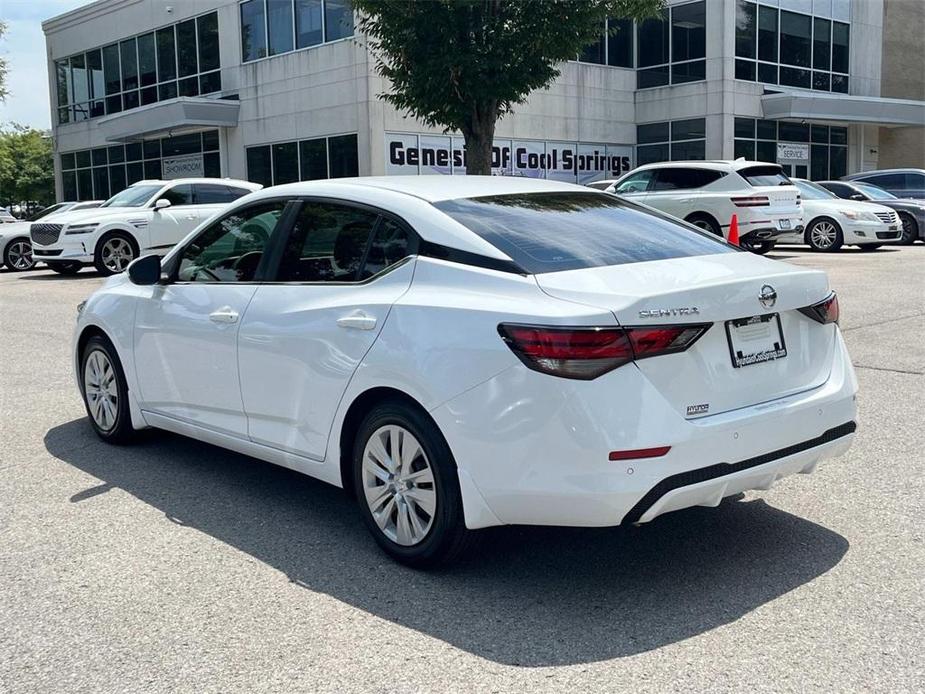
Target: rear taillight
(751, 201)
(826, 311)
(586, 353)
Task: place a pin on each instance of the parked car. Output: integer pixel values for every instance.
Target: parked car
(911, 212)
(148, 216)
(708, 193)
(832, 222)
(6, 217)
(15, 244)
(463, 352)
(903, 183)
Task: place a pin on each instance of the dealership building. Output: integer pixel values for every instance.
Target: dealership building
(276, 91)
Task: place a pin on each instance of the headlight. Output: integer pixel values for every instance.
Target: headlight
(850, 214)
(870, 217)
(80, 228)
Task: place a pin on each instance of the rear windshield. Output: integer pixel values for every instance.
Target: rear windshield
(765, 176)
(550, 232)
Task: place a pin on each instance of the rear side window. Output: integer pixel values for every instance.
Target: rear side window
(216, 193)
(889, 181)
(391, 244)
(765, 176)
(550, 232)
(684, 179)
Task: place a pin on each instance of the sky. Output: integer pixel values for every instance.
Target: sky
(23, 47)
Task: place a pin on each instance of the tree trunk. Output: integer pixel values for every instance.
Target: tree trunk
(479, 133)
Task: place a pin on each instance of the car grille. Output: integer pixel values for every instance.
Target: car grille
(887, 234)
(45, 234)
(887, 217)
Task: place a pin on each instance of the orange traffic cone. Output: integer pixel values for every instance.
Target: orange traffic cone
(734, 231)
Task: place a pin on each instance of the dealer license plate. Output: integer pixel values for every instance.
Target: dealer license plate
(755, 340)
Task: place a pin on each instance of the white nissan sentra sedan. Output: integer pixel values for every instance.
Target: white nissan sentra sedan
(468, 352)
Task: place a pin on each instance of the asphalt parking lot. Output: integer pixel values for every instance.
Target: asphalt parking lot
(173, 566)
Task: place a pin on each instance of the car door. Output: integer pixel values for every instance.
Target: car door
(186, 329)
(169, 225)
(305, 334)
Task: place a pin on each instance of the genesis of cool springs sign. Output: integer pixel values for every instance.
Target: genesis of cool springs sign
(574, 162)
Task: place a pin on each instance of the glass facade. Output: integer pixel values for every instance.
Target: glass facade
(177, 60)
(777, 46)
(826, 147)
(100, 173)
(305, 160)
(678, 140)
(271, 27)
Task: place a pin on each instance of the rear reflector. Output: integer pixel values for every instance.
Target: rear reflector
(826, 311)
(639, 453)
(751, 201)
(588, 352)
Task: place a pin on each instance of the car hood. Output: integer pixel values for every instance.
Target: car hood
(14, 229)
(96, 214)
(834, 205)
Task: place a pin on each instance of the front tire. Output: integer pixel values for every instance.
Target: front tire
(910, 229)
(105, 391)
(868, 247)
(824, 235)
(114, 252)
(67, 267)
(18, 255)
(757, 247)
(407, 487)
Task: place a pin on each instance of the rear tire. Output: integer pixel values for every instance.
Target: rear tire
(105, 392)
(704, 221)
(18, 255)
(867, 247)
(67, 267)
(910, 229)
(114, 252)
(824, 235)
(757, 247)
(407, 487)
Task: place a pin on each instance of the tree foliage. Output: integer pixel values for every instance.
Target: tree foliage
(464, 64)
(27, 171)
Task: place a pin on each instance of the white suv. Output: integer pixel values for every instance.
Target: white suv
(146, 217)
(708, 193)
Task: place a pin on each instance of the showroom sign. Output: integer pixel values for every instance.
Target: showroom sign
(574, 162)
(788, 151)
(188, 166)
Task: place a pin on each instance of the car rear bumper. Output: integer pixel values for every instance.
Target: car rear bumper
(533, 449)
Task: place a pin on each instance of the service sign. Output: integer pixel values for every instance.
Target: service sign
(573, 162)
(790, 151)
(187, 166)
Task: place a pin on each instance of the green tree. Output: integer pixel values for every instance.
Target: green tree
(464, 64)
(27, 172)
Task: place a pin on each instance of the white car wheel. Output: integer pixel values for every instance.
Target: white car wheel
(18, 255)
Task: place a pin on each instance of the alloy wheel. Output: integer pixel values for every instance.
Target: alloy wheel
(823, 235)
(100, 389)
(19, 255)
(117, 253)
(398, 483)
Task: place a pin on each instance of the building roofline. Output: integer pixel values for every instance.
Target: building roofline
(82, 14)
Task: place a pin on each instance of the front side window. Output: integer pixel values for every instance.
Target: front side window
(552, 232)
(635, 183)
(328, 244)
(230, 250)
(179, 195)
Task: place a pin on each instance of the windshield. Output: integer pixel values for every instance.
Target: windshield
(550, 232)
(875, 193)
(813, 191)
(45, 212)
(136, 196)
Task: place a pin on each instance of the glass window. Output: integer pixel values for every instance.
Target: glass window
(764, 176)
(309, 23)
(81, 87)
(134, 173)
(620, 43)
(813, 191)
(285, 163)
(822, 81)
(840, 84)
(677, 178)
(822, 43)
(688, 31)
(793, 132)
(99, 156)
(327, 244)
(744, 149)
(209, 140)
(83, 158)
(650, 154)
(652, 132)
(188, 86)
(129, 64)
(745, 70)
(688, 129)
(746, 29)
(873, 192)
(258, 165)
(133, 151)
(795, 77)
(795, 34)
(111, 69)
(95, 71)
(210, 82)
(767, 129)
(207, 28)
(686, 151)
(152, 149)
(181, 194)
(63, 79)
(216, 194)
(338, 19)
(767, 33)
(84, 185)
(766, 151)
(136, 196)
(69, 180)
(890, 182)
(147, 62)
(652, 39)
(116, 178)
(688, 72)
(186, 48)
(391, 244)
(181, 144)
(653, 77)
(211, 165)
(279, 26)
(636, 183)
(67, 161)
(767, 73)
(594, 52)
(313, 155)
(818, 162)
(819, 133)
(168, 90)
(839, 47)
(253, 30)
(231, 249)
(166, 55)
(344, 159)
(744, 127)
(101, 182)
(600, 230)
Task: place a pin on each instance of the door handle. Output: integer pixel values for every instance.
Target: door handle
(357, 321)
(225, 314)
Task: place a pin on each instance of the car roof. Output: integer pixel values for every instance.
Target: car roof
(877, 172)
(710, 164)
(229, 181)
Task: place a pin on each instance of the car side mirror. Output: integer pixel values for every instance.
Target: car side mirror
(162, 203)
(858, 196)
(145, 270)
